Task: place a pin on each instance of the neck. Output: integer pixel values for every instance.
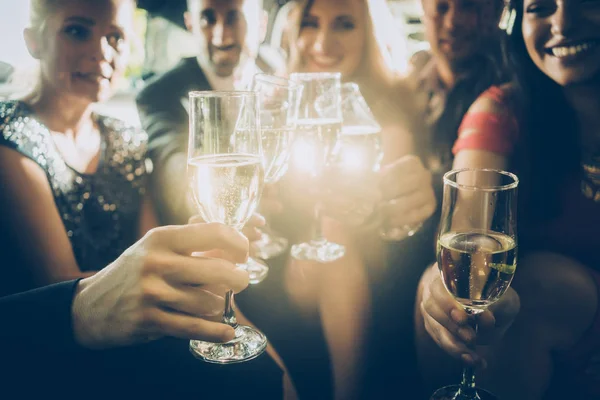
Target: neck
(60, 113)
(585, 100)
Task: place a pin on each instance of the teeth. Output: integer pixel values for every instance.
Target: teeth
(565, 51)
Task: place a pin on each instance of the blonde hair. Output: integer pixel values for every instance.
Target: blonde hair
(381, 73)
(385, 55)
(39, 10)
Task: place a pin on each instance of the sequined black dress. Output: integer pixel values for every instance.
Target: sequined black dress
(100, 211)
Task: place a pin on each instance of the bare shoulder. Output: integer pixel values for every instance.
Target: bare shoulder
(495, 100)
(16, 170)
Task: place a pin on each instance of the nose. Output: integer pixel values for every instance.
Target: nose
(324, 42)
(222, 35)
(563, 20)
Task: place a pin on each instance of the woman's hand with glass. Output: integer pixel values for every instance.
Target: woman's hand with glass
(407, 197)
(448, 324)
(477, 260)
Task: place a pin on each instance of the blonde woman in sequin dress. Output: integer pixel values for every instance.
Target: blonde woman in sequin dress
(72, 179)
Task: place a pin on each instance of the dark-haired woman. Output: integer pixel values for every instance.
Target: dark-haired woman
(546, 128)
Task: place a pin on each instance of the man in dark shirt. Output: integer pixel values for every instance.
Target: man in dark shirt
(50, 337)
(227, 32)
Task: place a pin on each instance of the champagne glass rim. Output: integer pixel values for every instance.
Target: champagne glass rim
(491, 188)
(221, 93)
(319, 75)
(277, 81)
(350, 85)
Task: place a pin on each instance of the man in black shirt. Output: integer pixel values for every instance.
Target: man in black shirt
(227, 33)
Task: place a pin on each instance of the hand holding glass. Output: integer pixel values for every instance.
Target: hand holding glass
(355, 164)
(315, 143)
(477, 250)
(279, 99)
(226, 177)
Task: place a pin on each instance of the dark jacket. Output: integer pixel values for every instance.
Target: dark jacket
(41, 359)
(163, 114)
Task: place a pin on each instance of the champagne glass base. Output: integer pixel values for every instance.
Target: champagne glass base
(257, 271)
(452, 393)
(320, 251)
(248, 343)
(270, 246)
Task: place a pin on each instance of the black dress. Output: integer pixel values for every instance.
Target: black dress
(100, 211)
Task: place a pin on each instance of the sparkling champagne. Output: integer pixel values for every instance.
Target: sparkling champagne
(477, 267)
(315, 142)
(226, 187)
(360, 150)
(276, 144)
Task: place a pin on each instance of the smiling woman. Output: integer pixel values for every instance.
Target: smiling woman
(73, 179)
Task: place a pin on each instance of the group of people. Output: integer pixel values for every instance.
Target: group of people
(96, 218)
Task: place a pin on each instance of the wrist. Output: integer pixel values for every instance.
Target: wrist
(80, 315)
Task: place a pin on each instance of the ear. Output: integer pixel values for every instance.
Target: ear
(187, 19)
(32, 41)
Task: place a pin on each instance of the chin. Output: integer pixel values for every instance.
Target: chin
(575, 77)
(224, 71)
(95, 97)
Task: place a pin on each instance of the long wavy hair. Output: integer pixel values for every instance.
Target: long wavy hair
(550, 134)
(384, 57)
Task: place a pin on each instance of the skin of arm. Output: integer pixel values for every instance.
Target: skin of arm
(549, 286)
(435, 364)
(148, 218)
(34, 219)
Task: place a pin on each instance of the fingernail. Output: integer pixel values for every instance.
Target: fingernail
(457, 316)
(261, 219)
(228, 334)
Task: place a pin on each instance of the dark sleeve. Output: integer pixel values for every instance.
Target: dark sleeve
(38, 318)
(165, 120)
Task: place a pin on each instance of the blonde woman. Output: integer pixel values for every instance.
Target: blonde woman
(357, 39)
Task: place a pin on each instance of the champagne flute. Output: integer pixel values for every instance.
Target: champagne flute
(225, 173)
(477, 250)
(279, 99)
(316, 141)
(358, 158)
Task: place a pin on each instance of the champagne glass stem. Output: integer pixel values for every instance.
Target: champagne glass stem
(467, 388)
(317, 235)
(229, 313)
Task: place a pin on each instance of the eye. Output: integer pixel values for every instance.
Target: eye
(540, 9)
(115, 39)
(442, 8)
(309, 23)
(344, 24)
(77, 32)
(232, 17)
(207, 18)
